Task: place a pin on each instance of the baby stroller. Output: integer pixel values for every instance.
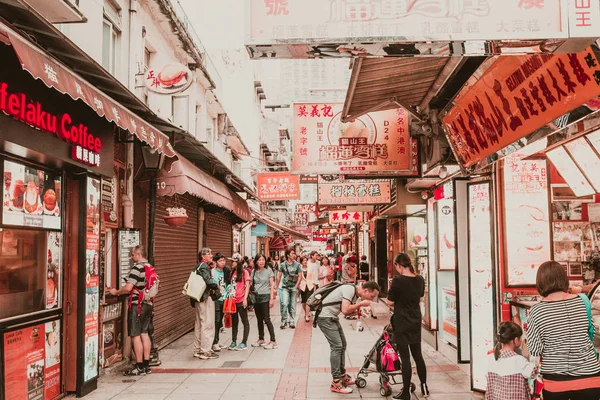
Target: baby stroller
(382, 359)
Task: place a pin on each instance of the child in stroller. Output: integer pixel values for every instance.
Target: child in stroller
(382, 359)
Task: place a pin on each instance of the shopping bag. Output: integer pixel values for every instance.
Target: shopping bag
(227, 321)
(194, 287)
(229, 306)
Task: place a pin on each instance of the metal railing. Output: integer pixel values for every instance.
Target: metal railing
(210, 67)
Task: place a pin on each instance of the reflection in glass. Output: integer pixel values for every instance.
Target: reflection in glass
(569, 171)
(587, 160)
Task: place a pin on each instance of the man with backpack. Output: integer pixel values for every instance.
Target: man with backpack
(142, 286)
(328, 302)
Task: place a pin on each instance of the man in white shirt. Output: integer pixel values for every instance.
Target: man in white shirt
(314, 264)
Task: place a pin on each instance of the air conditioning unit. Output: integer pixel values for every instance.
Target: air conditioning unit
(435, 150)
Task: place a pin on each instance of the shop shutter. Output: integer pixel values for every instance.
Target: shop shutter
(176, 254)
(219, 233)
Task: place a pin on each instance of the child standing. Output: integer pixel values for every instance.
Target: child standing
(508, 371)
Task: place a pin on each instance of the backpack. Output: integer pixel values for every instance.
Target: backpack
(389, 357)
(315, 301)
(150, 291)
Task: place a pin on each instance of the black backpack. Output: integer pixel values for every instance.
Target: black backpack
(315, 301)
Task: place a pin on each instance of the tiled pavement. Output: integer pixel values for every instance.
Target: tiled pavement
(298, 369)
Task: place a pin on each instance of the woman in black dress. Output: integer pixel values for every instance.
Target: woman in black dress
(404, 296)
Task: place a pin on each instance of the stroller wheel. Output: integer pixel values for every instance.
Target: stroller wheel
(413, 387)
(383, 380)
(361, 383)
(385, 392)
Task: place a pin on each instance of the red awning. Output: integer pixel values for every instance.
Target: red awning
(277, 244)
(181, 176)
(56, 75)
(279, 227)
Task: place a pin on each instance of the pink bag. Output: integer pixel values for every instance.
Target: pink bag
(389, 358)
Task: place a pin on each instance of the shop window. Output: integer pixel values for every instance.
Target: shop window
(30, 268)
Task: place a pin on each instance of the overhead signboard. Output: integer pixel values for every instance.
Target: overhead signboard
(354, 192)
(516, 96)
(344, 216)
(278, 186)
(170, 79)
(300, 219)
(375, 143)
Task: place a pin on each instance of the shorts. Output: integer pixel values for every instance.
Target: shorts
(304, 295)
(136, 326)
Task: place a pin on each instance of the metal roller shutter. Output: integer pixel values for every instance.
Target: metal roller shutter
(176, 253)
(219, 233)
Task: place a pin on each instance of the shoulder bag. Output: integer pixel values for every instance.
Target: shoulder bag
(195, 286)
(252, 292)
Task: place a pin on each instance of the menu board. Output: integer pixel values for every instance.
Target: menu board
(32, 362)
(449, 328)
(128, 239)
(31, 197)
(446, 234)
(54, 270)
(480, 282)
(526, 213)
(92, 258)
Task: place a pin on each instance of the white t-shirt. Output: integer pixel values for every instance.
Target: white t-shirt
(347, 292)
(314, 266)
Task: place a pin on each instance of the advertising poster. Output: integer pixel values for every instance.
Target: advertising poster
(516, 96)
(481, 281)
(54, 270)
(449, 333)
(373, 143)
(344, 216)
(278, 186)
(526, 214)
(446, 234)
(92, 279)
(354, 192)
(109, 199)
(31, 197)
(32, 362)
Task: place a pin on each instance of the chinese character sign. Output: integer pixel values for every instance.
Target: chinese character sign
(584, 18)
(375, 142)
(343, 216)
(301, 219)
(278, 186)
(355, 192)
(516, 96)
(306, 208)
(299, 21)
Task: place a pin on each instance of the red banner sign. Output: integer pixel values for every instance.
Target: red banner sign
(345, 217)
(516, 96)
(278, 186)
(319, 237)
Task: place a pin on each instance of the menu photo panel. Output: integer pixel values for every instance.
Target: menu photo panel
(31, 197)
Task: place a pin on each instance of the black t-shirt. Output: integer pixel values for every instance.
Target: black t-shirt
(406, 292)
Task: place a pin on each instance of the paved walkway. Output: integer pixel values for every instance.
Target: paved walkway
(298, 369)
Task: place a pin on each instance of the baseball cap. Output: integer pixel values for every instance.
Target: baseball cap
(236, 257)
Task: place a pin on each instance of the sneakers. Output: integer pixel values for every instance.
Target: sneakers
(135, 371)
(270, 346)
(206, 356)
(242, 347)
(232, 346)
(283, 325)
(216, 347)
(147, 370)
(403, 395)
(424, 390)
(259, 343)
(338, 386)
(348, 380)
(222, 346)
(292, 325)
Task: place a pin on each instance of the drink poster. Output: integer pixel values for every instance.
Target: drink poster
(374, 143)
(54, 270)
(526, 214)
(481, 281)
(92, 279)
(446, 234)
(31, 197)
(32, 362)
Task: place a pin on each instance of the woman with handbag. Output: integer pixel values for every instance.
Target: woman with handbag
(560, 331)
(240, 278)
(263, 286)
(306, 286)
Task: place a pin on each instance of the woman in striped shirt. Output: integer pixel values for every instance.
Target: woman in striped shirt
(558, 333)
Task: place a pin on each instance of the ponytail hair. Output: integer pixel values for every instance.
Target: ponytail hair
(507, 332)
(403, 260)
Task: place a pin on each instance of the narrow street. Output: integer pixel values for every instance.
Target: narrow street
(298, 369)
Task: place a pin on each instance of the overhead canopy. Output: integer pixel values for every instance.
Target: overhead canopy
(379, 84)
(278, 227)
(58, 76)
(181, 176)
(277, 244)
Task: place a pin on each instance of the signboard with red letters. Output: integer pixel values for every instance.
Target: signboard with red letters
(516, 96)
(343, 216)
(354, 192)
(278, 186)
(300, 218)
